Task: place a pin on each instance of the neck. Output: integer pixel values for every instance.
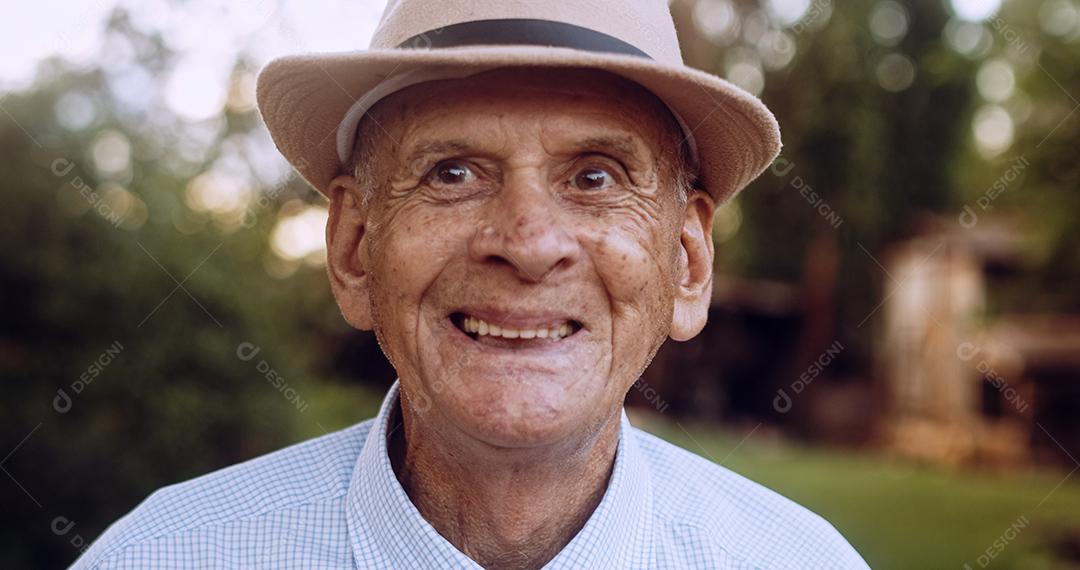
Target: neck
(504, 508)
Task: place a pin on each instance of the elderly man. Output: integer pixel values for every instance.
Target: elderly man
(521, 198)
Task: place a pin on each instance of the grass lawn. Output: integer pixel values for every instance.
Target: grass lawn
(906, 516)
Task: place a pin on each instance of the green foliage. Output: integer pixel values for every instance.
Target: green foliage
(885, 160)
(153, 389)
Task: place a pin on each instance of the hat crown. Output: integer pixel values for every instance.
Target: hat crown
(644, 24)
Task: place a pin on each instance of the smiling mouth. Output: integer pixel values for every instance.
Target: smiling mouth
(488, 332)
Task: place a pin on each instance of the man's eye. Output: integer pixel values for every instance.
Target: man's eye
(453, 173)
(593, 179)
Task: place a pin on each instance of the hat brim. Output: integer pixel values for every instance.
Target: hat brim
(303, 99)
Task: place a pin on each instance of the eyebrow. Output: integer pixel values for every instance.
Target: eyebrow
(618, 143)
(623, 147)
(437, 148)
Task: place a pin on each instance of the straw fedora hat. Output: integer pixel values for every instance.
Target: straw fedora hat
(312, 104)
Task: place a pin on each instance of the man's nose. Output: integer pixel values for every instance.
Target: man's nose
(523, 229)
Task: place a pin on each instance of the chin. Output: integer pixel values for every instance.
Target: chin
(517, 392)
(525, 413)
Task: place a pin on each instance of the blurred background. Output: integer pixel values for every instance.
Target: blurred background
(894, 339)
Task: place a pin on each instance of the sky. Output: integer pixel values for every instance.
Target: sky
(206, 32)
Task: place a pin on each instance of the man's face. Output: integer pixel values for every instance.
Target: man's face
(521, 253)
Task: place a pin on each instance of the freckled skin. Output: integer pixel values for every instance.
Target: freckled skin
(612, 250)
(521, 234)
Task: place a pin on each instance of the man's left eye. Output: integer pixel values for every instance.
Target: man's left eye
(593, 179)
(452, 172)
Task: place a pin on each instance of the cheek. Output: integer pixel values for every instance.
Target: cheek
(634, 264)
(406, 257)
(631, 265)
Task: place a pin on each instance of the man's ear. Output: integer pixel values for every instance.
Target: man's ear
(346, 257)
(693, 290)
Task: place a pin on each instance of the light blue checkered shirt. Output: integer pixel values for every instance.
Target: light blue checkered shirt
(334, 502)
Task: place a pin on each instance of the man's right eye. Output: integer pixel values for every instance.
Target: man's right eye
(451, 173)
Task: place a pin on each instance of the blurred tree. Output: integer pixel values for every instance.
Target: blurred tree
(119, 342)
(879, 106)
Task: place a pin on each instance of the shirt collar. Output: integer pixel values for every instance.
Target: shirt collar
(381, 516)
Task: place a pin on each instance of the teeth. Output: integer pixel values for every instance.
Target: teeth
(483, 328)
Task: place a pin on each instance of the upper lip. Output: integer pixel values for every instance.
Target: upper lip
(519, 318)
